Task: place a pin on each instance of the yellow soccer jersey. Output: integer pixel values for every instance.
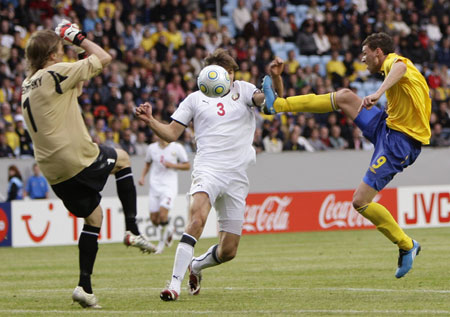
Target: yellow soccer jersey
(62, 144)
(408, 101)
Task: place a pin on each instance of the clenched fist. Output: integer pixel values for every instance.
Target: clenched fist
(70, 32)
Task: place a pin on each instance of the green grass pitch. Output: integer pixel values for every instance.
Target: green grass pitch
(340, 273)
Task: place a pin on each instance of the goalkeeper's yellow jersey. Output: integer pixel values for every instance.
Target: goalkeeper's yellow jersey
(408, 101)
(62, 144)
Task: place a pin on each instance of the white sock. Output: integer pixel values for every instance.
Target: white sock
(183, 257)
(206, 260)
(160, 247)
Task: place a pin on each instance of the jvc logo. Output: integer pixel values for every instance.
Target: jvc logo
(438, 203)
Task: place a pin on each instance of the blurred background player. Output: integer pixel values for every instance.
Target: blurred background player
(224, 130)
(75, 167)
(37, 186)
(397, 132)
(163, 159)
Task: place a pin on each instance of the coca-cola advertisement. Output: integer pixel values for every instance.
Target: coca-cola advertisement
(309, 211)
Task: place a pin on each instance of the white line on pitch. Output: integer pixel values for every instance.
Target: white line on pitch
(231, 312)
(345, 289)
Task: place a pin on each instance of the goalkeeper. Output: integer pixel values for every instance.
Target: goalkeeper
(75, 167)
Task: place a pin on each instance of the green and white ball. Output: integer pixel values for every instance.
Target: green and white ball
(214, 81)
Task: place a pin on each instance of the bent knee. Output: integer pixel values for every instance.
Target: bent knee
(345, 95)
(197, 222)
(359, 201)
(123, 159)
(95, 219)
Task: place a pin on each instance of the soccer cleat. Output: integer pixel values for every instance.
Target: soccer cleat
(139, 242)
(168, 295)
(84, 299)
(406, 259)
(194, 281)
(269, 94)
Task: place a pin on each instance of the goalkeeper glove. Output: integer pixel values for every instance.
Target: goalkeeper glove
(70, 32)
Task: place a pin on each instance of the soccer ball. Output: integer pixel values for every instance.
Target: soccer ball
(214, 81)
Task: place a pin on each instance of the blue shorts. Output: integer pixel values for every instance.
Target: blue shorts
(393, 152)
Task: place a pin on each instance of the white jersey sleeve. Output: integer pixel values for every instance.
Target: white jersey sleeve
(185, 111)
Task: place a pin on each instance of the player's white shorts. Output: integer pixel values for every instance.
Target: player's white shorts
(157, 199)
(227, 192)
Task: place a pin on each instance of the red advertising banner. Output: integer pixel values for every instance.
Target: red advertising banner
(309, 211)
(5, 224)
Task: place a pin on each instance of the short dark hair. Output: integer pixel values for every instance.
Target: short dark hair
(380, 40)
(222, 58)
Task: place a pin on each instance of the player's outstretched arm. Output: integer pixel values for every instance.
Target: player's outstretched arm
(168, 132)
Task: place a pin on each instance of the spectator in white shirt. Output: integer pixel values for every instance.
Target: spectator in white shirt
(241, 16)
(321, 40)
(433, 30)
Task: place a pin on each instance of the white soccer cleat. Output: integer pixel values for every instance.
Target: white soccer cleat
(131, 240)
(84, 299)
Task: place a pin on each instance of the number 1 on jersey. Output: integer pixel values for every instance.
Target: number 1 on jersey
(27, 106)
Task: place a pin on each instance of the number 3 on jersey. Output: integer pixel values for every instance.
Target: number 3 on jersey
(220, 109)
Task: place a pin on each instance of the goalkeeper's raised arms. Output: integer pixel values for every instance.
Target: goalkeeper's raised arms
(70, 32)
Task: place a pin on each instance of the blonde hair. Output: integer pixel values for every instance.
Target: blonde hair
(39, 48)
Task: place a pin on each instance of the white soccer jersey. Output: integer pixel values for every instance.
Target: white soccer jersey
(163, 179)
(224, 127)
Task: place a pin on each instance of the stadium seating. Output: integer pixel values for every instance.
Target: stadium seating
(279, 48)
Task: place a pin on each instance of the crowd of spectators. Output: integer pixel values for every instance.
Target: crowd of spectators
(158, 49)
